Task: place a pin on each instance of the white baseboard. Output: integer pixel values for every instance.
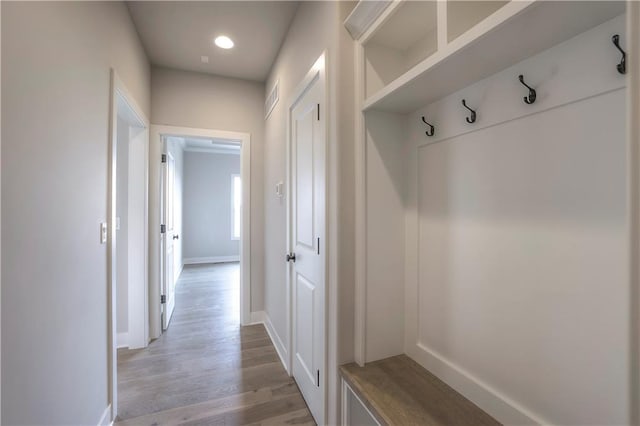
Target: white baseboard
(276, 340)
(257, 318)
(211, 259)
(105, 420)
(497, 405)
(122, 340)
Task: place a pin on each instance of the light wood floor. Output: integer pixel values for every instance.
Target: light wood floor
(206, 370)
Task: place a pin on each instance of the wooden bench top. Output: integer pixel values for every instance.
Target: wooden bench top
(398, 391)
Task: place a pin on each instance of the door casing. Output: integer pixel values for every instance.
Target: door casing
(155, 175)
(138, 213)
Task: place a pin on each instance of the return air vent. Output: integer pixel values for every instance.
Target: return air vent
(272, 100)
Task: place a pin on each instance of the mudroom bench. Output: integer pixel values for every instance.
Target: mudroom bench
(398, 391)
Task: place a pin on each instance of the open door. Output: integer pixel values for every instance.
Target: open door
(167, 297)
(307, 214)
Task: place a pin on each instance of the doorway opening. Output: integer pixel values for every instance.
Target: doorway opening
(126, 231)
(203, 216)
(201, 202)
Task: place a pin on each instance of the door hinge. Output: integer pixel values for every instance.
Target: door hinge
(163, 229)
(163, 298)
(318, 112)
(318, 383)
(163, 158)
(318, 245)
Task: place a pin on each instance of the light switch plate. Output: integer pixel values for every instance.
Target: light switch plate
(103, 233)
(280, 189)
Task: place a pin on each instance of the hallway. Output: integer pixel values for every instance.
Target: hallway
(205, 369)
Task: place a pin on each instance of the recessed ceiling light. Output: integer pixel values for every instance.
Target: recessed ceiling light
(223, 42)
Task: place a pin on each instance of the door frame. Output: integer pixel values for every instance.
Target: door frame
(155, 151)
(137, 295)
(317, 72)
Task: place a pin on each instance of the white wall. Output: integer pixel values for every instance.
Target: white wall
(203, 101)
(56, 58)
(207, 206)
(122, 212)
(316, 27)
(386, 200)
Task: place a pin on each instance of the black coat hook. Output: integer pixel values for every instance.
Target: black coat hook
(532, 92)
(622, 66)
(431, 130)
(471, 119)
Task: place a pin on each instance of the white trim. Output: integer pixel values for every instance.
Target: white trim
(379, 21)
(117, 89)
(257, 318)
(155, 148)
(360, 189)
(481, 394)
(344, 416)
(277, 342)
(363, 16)
(138, 237)
(261, 317)
(442, 26)
(233, 210)
(106, 420)
(122, 340)
(0, 240)
(212, 151)
(633, 213)
(346, 390)
(211, 259)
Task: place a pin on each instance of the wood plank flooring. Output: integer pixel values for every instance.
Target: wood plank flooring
(206, 370)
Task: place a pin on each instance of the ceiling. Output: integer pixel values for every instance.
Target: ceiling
(175, 34)
(211, 145)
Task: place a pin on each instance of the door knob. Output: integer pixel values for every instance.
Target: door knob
(176, 237)
(291, 257)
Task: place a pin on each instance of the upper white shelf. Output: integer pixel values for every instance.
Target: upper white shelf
(513, 33)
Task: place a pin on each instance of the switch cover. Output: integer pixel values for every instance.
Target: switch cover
(103, 233)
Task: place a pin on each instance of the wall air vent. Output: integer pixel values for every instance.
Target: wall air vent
(272, 100)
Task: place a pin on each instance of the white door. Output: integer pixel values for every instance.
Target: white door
(307, 233)
(169, 236)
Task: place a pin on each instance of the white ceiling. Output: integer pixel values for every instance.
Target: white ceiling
(211, 145)
(176, 34)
